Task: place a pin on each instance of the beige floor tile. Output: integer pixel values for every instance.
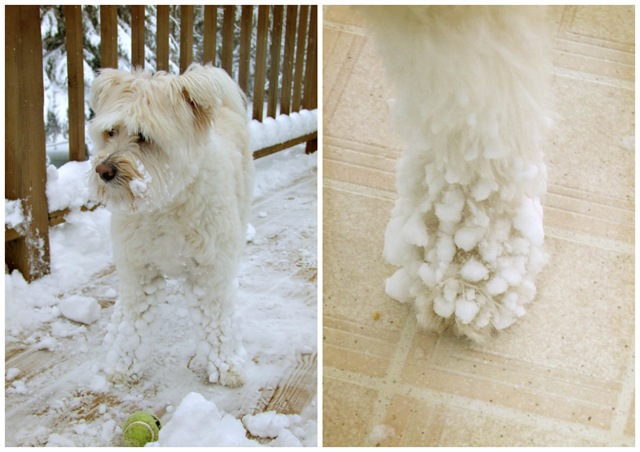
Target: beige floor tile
(564, 374)
(347, 408)
(439, 424)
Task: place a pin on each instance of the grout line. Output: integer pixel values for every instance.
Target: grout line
(356, 189)
(587, 239)
(394, 373)
(598, 79)
(353, 29)
(624, 405)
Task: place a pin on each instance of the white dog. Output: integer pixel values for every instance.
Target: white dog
(466, 231)
(172, 162)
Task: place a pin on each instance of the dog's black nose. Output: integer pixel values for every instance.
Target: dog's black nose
(106, 171)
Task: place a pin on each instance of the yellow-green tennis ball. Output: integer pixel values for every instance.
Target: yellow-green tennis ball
(141, 428)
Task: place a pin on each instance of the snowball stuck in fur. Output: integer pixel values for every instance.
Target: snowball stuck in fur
(474, 271)
(468, 237)
(466, 310)
(528, 220)
(397, 286)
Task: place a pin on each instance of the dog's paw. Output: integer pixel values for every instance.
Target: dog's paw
(121, 368)
(230, 375)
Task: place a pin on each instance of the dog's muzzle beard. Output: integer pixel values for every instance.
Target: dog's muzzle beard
(122, 183)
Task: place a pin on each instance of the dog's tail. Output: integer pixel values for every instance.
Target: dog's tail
(210, 88)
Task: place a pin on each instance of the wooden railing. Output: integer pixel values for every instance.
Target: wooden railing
(291, 84)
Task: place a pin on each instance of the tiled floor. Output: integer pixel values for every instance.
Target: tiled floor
(564, 374)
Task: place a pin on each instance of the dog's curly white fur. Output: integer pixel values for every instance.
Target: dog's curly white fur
(471, 102)
(172, 162)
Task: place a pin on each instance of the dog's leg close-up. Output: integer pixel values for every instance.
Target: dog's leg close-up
(129, 332)
(470, 88)
(210, 299)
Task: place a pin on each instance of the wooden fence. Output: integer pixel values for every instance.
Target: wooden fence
(292, 84)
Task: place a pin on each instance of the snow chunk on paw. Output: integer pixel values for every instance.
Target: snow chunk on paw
(528, 220)
(474, 271)
(80, 309)
(468, 237)
(450, 209)
(466, 310)
(398, 286)
(443, 307)
(415, 230)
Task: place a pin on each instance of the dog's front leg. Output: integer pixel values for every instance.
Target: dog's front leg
(211, 298)
(128, 334)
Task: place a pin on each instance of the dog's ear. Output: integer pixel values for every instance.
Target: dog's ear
(102, 84)
(206, 89)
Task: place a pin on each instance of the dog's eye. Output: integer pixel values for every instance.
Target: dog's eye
(110, 133)
(141, 138)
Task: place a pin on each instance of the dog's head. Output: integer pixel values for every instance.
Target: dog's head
(150, 132)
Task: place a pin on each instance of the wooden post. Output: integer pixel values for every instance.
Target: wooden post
(75, 70)
(210, 32)
(311, 75)
(25, 155)
(299, 65)
(287, 63)
(261, 62)
(310, 100)
(137, 36)
(162, 38)
(245, 47)
(274, 64)
(228, 25)
(109, 36)
(186, 37)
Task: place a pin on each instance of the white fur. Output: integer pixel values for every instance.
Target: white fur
(471, 86)
(180, 206)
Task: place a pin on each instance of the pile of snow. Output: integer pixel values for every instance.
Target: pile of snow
(197, 422)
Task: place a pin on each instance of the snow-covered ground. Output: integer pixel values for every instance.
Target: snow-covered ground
(56, 394)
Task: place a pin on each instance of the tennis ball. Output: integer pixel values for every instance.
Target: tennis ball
(141, 428)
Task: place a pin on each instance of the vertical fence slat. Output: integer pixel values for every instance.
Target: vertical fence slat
(25, 158)
(259, 72)
(137, 36)
(75, 71)
(287, 63)
(274, 65)
(109, 36)
(299, 65)
(162, 38)
(228, 24)
(210, 32)
(246, 23)
(186, 37)
(310, 99)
